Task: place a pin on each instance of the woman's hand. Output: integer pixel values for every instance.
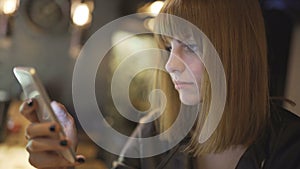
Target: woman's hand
(43, 141)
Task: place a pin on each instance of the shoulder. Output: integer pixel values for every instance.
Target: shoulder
(280, 114)
(134, 144)
(143, 130)
(284, 125)
(173, 158)
(279, 145)
(284, 142)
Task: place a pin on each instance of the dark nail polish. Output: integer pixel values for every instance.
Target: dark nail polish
(63, 143)
(52, 128)
(30, 103)
(80, 160)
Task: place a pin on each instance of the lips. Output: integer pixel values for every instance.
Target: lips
(181, 85)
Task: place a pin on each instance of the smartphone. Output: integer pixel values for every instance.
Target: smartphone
(34, 89)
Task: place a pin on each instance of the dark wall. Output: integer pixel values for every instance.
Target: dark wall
(47, 49)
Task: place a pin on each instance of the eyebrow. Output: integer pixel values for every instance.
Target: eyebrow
(185, 42)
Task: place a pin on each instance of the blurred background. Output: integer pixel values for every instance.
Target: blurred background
(48, 35)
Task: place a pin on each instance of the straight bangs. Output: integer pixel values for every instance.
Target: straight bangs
(167, 25)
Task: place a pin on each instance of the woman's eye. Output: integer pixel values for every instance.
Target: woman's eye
(191, 48)
(168, 48)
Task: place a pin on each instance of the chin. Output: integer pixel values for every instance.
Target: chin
(189, 99)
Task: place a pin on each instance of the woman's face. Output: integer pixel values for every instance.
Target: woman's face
(185, 68)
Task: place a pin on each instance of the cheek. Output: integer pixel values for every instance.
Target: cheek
(197, 70)
(196, 66)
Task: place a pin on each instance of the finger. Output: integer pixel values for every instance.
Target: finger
(49, 160)
(80, 159)
(28, 110)
(46, 129)
(61, 113)
(61, 106)
(65, 119)
(46, 144)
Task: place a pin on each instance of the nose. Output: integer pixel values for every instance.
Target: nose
(175, 63)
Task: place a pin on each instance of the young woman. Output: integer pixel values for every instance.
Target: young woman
(251, 134)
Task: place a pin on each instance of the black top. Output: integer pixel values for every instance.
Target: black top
(277, 148)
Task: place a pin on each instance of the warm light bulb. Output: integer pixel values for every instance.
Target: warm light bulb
(10, 6)
(81, 14)
(156, 6)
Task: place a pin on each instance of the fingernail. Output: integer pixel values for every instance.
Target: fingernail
(30, 102)
(52, 128)
(63, 143)
(80, 160)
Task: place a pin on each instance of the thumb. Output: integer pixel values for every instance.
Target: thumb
(60, 111)
(66, 120)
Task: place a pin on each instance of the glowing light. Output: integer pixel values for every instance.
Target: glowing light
(10, 6)
(81, 15)
(156, 6)
(149, 24)
(32, 71)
